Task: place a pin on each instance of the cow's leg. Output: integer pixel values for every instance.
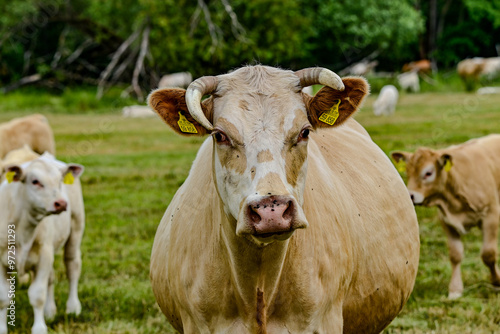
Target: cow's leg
(456, 249)
(50, 309)
(73, 262)
(4, 300)
(37, 291)
(489, 249)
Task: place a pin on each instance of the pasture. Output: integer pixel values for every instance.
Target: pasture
(134, 166)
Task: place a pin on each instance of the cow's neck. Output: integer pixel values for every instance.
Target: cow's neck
(255, 272)
(25, 221)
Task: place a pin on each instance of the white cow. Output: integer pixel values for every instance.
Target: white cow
(180, 79)
(386, 101)
(409, 81)
(137, 111)
(39, 215)
(291, 220)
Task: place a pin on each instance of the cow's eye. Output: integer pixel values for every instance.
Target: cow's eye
(35, 182)
(428, 174)
(221, 137)
(304, 134)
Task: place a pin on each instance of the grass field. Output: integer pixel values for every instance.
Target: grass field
(133, 168)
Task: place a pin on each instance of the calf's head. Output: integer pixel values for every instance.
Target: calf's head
(427, 173)
(260, 123)
(41, 184)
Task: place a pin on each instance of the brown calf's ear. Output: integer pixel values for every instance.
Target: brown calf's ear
(398, 156)
(170, 105)
(445, 161)
(331, 107)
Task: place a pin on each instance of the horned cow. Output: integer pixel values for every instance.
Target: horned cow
(463, 181)
(291, 220)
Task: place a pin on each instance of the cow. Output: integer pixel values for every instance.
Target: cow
(180, 79)
(292, 220)
(450, 179)
(137, 112)
(33, 130)
(41, 210)
(409, 81)
(386, 101)
(420, 66)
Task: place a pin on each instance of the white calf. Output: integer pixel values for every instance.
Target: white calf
(409, 81)
(38, 218)
(386, 101)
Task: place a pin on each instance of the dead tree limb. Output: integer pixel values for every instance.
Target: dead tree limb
(237, 29)
(140, 63)
(114, 61)
(24, 81)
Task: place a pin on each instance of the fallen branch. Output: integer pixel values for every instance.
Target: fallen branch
(24, 81)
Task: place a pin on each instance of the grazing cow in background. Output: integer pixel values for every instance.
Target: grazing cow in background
(419, 66)
(292, 220)
(180, 79)
(33, 130)
(491, 68)
(137, 112)
(44, 214)
(463, 181)
(386, 101)
(409, 81)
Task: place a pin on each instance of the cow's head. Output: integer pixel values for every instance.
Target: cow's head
(42, 185)
(427, 173)
(260, 123)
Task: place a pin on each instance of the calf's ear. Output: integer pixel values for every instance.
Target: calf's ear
(398, 156)
(14, 173)
(170, 105)
(331, 107)
(445, 161)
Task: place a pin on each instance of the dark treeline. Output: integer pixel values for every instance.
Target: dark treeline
(56, 43)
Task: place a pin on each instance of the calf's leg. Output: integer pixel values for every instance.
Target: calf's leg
(37, 291)
(489, 250)
(456, 249)
(73, 262)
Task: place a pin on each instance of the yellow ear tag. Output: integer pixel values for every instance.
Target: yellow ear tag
(447, 165)
(331, 115)
(10, 176)
(401, 166)
(69, 178)
(185, 125)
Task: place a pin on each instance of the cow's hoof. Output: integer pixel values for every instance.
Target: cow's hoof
(454, 295)
(39, 329)
(73, 307)
(50, 311)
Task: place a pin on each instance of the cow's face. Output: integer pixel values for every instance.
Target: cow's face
(426, 170)
(261, 124)
(42, 183)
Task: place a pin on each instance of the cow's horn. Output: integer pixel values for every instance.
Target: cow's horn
(194, 94)
(318, 75)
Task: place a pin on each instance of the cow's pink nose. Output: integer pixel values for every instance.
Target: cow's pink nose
(270, 215)
(60, 205)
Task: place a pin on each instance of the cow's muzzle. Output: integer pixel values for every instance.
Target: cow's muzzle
(272, 217)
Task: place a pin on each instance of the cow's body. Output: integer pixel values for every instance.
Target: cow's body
(33, 130)
(40, 233)
(420, 66)
(463, 181)
(386, 101)
(350, 270)
(179, 79)
(409, 81)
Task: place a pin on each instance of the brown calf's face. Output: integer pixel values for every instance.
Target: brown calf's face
(261, 128)
(426, 171)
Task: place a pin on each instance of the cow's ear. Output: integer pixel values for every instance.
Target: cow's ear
(170, 105)
(330, 107)
(71, 172)
(445, 161)
(398, 156)
(14, 173)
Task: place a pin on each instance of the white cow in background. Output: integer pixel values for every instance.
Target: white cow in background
(39, 214)
(409, 81)
(180, 79)
(386, 101)
(137, 111)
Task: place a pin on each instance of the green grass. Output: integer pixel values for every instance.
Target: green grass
(134, 167)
